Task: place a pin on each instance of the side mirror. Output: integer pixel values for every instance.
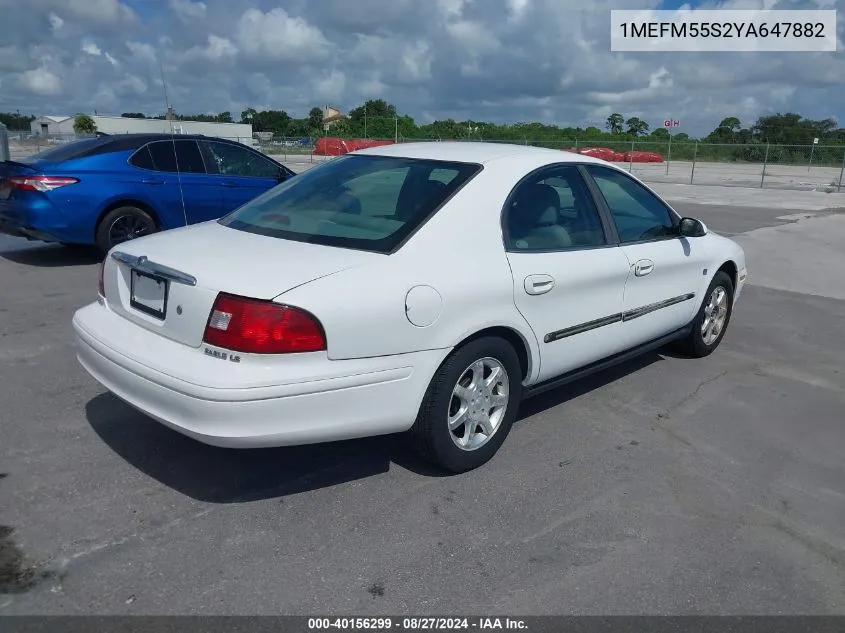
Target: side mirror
(690, 227)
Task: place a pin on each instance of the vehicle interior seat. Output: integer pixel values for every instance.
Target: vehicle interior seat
(534, 220)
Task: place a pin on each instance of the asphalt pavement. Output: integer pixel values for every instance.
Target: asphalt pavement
(664, 486)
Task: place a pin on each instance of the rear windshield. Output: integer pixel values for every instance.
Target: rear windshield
(363, 202)
(66, 151)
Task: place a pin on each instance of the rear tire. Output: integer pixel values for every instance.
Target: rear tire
(470, 405)
(711, 322)
(123, 224)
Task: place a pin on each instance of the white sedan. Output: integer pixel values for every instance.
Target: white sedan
(423, 288)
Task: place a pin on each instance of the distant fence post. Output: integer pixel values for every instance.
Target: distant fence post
(576, 143)
(765, 162)
(669, 153)
(810, 164)
(694, 156)
(5, 154)
(631, 158)
(841, 171)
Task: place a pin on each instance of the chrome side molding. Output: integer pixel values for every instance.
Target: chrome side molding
(142, 264)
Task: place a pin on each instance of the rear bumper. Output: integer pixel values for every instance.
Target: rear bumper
(8, 227)
(45, 221)
(361, 398)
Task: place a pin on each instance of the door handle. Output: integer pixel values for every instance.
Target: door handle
(643, 267)
(229, 183)
(539, 284)
(152, 181)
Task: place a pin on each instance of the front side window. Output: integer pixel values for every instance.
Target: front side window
(639, 215)
(552, 210)
(364, 202)
(230, 160)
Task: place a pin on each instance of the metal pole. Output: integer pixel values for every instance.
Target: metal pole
(631, 159)
(576, 143)
(396, 128)
(765, 162)
(812, 149)
(669, 153)
(694, 155)
(841, 171)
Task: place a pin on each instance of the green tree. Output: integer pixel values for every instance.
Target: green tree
(225, 117)
(636, 126)
(84, 124)
(315, 119)
(614, 123)
(731, 123)
(660, 133)
(275, 121)
(133, 115)
(248, 115)
(16, 120)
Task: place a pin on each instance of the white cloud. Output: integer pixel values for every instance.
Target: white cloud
(217, 49)
(276, 35)
(41, 82)
(517, 9)
(141, 51)
(55, 21)
(475, 38)
(450, 9)
(188, 11)
(91, 48)
(330, 87)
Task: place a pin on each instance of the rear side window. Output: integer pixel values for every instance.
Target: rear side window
(142, 159)
(178, 155)
(363, 202)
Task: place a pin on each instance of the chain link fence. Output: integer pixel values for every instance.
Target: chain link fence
(761, 165)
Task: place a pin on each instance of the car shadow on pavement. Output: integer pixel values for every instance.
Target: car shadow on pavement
(221, 475)
(560, 395)
(54, 256)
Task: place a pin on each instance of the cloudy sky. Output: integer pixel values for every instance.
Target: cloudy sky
(497, 60)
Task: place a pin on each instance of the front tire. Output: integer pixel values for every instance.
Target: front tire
(123, 224)
(711, 322)
(470, 405)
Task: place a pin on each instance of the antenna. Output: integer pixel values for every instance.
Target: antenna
(173, 140)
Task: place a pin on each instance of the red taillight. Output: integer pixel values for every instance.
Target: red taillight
(254, 326)
(102, 286)
(40, 183)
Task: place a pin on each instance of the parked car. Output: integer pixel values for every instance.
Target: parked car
(106, 190)
(422, 287)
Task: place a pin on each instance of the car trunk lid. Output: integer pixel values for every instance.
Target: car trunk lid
(10, 168)
(167, 283)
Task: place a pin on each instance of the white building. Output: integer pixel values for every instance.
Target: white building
(52, 125)
(63, 125)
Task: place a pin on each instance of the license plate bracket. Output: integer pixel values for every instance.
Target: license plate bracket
(148, 293)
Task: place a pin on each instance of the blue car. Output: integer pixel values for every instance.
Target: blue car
(106, 190)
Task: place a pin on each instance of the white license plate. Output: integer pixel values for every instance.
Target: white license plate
(148, 294)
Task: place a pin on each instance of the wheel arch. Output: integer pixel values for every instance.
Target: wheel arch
(515, 338)
(126, 202)
(729, 267)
